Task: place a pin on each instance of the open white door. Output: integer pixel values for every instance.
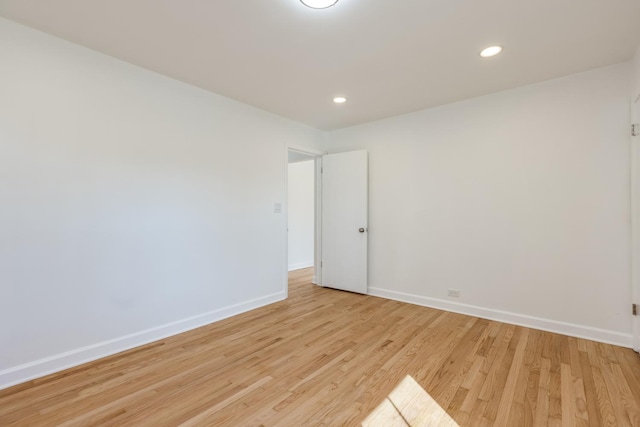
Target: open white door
(345, 221)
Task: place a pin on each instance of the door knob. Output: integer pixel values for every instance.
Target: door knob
(361, 230)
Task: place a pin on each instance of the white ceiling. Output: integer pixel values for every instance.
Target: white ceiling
(387, 56)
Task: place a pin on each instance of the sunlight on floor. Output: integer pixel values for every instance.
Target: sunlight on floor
(409, 405)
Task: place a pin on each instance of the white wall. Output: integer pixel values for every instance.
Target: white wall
(301, 214)
(132, 206)
(519, 199)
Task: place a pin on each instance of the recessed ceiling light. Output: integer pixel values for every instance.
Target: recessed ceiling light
(491, 51)
(339, 99)
(319, 4)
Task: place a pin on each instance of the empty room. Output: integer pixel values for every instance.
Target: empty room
(319, 213)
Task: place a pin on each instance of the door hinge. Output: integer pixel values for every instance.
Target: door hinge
(635, 129)
(634, 309)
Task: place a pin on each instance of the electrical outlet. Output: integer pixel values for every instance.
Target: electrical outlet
(454, 293)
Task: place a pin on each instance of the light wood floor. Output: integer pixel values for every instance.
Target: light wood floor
(325, 357)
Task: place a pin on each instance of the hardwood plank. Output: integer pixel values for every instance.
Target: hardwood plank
(509, 390)
(568, 397)
(541, 417)
(591, 396)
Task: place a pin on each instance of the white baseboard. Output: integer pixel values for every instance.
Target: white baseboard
(300, 265)
(39, 368)
(570, 329)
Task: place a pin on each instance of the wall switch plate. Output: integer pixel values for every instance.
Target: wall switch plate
(454, 293)
(277, 208)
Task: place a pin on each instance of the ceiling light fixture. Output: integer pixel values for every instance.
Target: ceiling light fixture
(319, 4)
(491, 51)
(339, 99)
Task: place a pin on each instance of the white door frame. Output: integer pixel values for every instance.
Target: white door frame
(635, 222)
(316, 155)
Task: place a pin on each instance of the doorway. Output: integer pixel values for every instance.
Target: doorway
(303, 218)
(340, 218)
